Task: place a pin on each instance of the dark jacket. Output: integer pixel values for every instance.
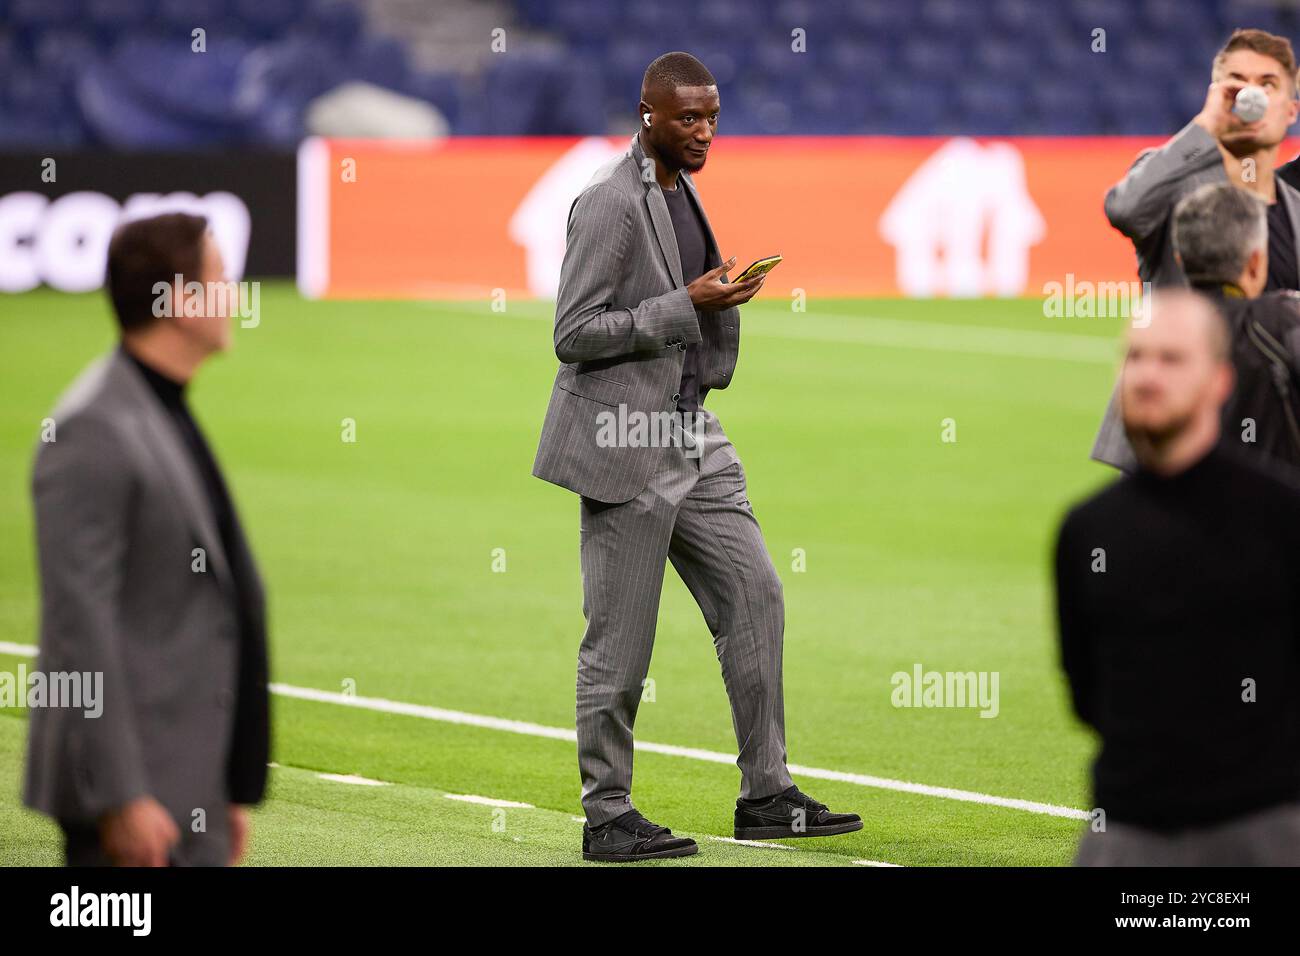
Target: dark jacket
(1262, 417)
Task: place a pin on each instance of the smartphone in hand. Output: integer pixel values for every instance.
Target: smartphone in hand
(757, 268)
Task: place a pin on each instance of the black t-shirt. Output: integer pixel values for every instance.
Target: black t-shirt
(693, 250)
(1281, 250)
(1183, 650)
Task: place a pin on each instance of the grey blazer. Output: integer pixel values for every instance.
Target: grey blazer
(119, 510)
(1141, 207)
(623, 320)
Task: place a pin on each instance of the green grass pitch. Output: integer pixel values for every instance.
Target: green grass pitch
(379, 557)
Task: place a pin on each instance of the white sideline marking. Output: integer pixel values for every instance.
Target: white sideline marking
(874, 863)
(353, 779)
(488, 801)
(762, 845)
(952, 337)
(692, 753)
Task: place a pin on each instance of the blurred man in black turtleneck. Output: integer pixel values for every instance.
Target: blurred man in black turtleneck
(1180, 619)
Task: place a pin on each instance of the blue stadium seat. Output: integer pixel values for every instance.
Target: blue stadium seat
(381, 61)
(1254, 13)
(860, 60)
(883, 20)
(1180, 21)
(334, 22)
(830, 106)
(44, 13)
(536, 91)
(188, 14)
(957, 17)
(62, 54)
(118, 117)
(1114, 16)
(443, 90)
(291, 72)
(997, 56)
(163, 73)
(268, 18)
(926, 58)
(765, 109)
(586, 22)
(733, 19)
(1134, 110)
(111, 19)
(34, 92)
(1149, 58)
(535, 13)
(913, 108)
(991, 107)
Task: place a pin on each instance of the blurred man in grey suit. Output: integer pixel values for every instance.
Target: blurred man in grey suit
(147, 580)
(1215, 147)
(645, 326)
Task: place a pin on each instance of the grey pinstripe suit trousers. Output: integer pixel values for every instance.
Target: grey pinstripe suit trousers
(695, 513)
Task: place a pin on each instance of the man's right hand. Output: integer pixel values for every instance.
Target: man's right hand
(140, 833)
(1216, 116)
(710, 294)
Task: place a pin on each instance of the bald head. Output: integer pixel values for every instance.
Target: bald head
(1185, 315)
(1177, 369)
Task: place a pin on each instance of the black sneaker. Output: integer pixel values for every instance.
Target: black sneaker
(632, 837)
(790, 814)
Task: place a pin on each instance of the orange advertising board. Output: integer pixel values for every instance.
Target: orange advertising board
(851, 215)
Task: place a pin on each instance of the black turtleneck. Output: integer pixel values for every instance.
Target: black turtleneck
(1199, 597)
(171, 395)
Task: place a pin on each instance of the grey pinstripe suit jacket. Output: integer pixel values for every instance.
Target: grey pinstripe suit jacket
(1141, 206)
(623, 320)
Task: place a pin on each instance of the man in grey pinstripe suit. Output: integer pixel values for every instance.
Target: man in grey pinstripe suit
(645, 325)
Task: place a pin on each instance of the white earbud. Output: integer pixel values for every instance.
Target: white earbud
(645, 117)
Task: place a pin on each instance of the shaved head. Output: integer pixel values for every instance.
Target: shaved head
(673, 70)
(1177, 369)
(1189, 312)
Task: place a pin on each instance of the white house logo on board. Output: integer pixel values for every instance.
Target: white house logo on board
(964, 222)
